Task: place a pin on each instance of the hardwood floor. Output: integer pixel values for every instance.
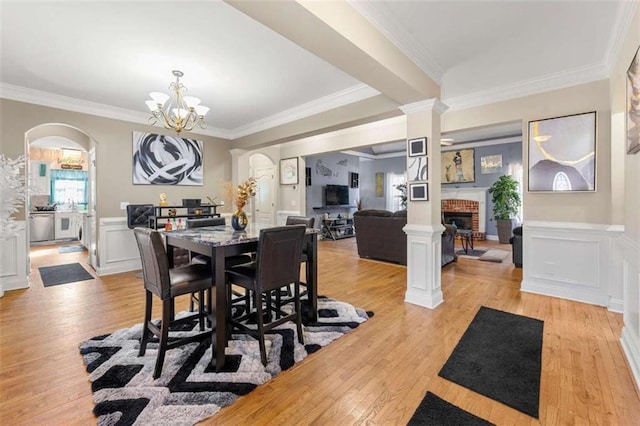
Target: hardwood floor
(378, 374)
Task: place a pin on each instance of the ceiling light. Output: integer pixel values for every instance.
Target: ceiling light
(181, 112)
(446, 142)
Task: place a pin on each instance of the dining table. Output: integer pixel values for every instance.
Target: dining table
(219, 242)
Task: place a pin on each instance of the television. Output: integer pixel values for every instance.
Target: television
(336, 195)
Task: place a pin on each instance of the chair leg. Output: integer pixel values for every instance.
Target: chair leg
(260, 323)
(191, 302)
(147, 317)
(201, 309)
(164, 336)
(298, 313)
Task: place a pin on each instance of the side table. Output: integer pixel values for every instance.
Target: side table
(466, 238)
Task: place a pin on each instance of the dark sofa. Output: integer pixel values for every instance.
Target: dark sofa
(379, 235)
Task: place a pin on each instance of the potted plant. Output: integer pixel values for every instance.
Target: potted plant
(506, 202)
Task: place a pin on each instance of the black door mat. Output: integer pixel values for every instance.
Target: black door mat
(62, 274)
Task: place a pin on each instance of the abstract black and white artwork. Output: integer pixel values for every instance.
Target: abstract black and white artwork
(166, 160)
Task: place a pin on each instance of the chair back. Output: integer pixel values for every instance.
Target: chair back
(279, 251)
(138, 215)
(205, 221)
(309, 222)
(155, 265)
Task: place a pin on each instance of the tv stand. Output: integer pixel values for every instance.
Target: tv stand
(337, 229)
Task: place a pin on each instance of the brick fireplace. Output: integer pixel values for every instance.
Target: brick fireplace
(460, 202)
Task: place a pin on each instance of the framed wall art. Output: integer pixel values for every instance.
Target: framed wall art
(491, 164)
(419, 191)
(379, 184)
(562, 153)
(633, 105)
(289, 171)
(417, 168)
(166, 160)
(417, 147)
(458, 166)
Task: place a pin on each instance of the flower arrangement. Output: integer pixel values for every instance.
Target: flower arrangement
(241, 194)
(13, 192)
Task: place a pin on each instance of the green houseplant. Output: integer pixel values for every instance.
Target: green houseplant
(506, 202)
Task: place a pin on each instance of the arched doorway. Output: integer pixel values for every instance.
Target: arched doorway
(63, 136)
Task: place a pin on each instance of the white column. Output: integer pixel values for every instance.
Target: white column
(424, 227)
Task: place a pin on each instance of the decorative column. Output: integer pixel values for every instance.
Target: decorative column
(424, 227)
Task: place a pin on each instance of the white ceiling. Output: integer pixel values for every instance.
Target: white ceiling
(106, 56)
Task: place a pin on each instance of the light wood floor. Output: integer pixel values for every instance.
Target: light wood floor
(378, 374)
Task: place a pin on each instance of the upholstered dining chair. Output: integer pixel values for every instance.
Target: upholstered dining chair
(168, 283)
(309, 222)
(206, 260)
(277, 265)
(138, 215)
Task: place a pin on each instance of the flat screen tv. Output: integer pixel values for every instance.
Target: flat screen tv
(336, 195)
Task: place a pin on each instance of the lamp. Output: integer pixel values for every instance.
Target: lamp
(181, 112)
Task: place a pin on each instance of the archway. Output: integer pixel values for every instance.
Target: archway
(65, 136)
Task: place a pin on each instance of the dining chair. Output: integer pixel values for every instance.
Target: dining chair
(168, 283)
(206, 260)
(277, 265)
(309, 222)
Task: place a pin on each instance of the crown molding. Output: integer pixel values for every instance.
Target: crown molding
(317, 106)
(400, 37)
(433, 104)
(335, 100)
(520, 89)
(625, 15)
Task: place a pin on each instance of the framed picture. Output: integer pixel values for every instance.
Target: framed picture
(379, 184)
(417, 168)
(419, 192)
(491, 164)
(289, 171)
(633, 105)
(354, 180)
(458, 166)
(417, 147)
(166, 160)
(562, 153)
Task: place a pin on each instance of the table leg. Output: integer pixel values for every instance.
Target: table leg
(220, 342)
(312, 285)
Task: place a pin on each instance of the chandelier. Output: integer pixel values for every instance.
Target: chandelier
(181, 112)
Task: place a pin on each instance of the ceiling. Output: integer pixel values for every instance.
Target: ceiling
(104, 57)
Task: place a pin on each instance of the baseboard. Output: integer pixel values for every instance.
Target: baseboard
(630, 347)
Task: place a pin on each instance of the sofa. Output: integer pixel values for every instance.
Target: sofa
(379, 235)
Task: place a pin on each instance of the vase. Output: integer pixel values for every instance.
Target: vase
(239, 220)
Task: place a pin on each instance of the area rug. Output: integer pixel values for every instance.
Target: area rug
(70, 249)
(495, 255)
(499, 356)
(471, 253)
(189, 390)
(63, 274)
(435, 411)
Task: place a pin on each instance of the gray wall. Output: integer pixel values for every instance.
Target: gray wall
(368, 170)
(330, 169)
(511, 153)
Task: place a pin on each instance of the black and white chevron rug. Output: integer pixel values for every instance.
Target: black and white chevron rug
(189, 391)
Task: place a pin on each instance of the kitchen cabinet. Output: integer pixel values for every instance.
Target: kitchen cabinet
(40, 174)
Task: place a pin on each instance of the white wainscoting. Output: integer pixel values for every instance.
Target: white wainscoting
(424, 265)
(117, 248)
(571, 260)
(13, 260)
(629, 252)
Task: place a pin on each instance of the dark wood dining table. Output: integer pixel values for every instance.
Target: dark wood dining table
(219, 242)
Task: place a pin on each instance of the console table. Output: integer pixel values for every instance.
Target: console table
(466, 238)
(162, 212)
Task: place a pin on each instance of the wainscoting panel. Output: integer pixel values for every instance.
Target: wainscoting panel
(118, 251)
(568, 260)
(13, 261)
(630, 340)
(423, 265)
(282, 216)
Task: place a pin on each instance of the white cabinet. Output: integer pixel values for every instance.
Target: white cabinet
(40, 177)
(66, 225)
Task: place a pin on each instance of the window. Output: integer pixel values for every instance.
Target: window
(394, 195)
(515, 170)
(69, 186)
